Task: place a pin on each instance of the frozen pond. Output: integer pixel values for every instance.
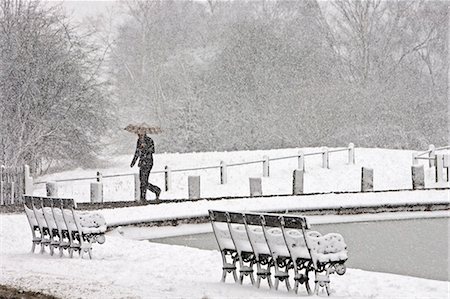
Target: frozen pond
(413, 247)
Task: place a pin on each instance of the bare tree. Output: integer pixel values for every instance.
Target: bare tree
(53, 103)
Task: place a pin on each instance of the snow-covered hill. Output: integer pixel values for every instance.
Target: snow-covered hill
(392, 170)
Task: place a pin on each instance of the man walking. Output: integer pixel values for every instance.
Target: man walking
(144, 151)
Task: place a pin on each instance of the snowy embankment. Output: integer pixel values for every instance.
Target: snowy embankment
(392, 171)
(166, 211)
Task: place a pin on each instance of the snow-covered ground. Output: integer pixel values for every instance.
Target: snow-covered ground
(392, 171)
(127, 266)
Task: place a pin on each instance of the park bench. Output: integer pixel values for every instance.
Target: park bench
(277, 244)
(55, 223)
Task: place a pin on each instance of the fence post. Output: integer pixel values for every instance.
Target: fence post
(223, 172)
(97, 189)
(265, 166)
(12, 194)
(52, 189)
(439, 168)
(351, 153)
(2, 185)
(366, 179)
(418, 177)
(301, 161)
(137, 187)
(168, 178)
(325, 158)
(297, 184)
(432, 155)
(194, 187)
(28, 181)
(414, 160)
(446, 163)
(255, 187)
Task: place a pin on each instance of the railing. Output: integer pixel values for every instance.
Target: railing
(96, 186)
(325, 151)
(440, 162)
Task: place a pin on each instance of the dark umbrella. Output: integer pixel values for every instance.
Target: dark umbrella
(142, 128)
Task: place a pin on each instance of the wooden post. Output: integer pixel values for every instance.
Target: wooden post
(255, 187)
(223, 172)
(168, 178)
(351, 153)
(439, 167)
(432, 155)
(301, 161)
(325, 158)
(194, 187)
(97, 189)
(446, 163)
(137, 187)
(2, 185)
(52, 189)
(297, 184)
(2, 194)
(27, 181)
(418, 177)
(12, 194)
(96, 192)
(366, 179)
(265, 166)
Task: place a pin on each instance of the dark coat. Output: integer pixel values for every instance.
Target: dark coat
(144, 151)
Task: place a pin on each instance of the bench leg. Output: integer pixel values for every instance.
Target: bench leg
(249, 274)
(71, 252)
(307, 286)
(246, 270)
(228, 267)
(225, 271)
(302, 278)
(33, 247)
(281, 275)
(288, 285)
(262, 273)
(322, 281)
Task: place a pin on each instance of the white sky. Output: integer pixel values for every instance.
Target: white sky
(85, 8)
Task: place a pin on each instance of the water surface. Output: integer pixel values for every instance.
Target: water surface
(413, 247)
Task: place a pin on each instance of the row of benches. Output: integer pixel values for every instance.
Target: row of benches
(56, 224)
(278, 242)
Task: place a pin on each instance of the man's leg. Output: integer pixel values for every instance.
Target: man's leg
(155, 189)
(144, 172)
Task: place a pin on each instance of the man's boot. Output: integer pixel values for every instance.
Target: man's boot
(157, 193)
(143, 194)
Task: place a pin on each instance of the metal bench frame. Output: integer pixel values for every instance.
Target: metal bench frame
(48, 229)
(281, 262)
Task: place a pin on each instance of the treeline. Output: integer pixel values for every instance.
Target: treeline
(226, 75)
(222, 75)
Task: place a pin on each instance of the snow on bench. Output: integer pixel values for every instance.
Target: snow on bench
(55, 223)
(277, 243)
